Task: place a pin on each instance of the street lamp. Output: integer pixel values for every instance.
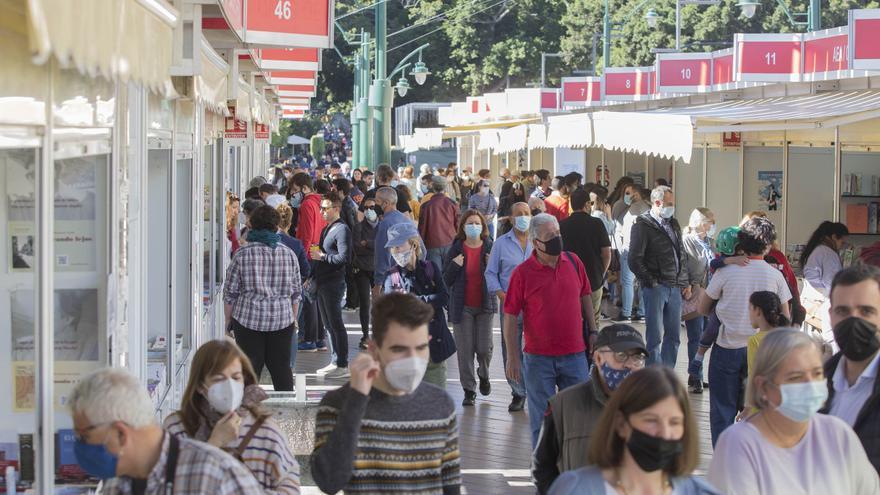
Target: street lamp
(748, 7)
(651, 18)
(420, 71)
(402, 86)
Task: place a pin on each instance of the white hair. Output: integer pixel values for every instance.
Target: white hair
(387, 193)
(113, 394)
(698, 217)
(775, 348)
(539, 222)
(659, 192)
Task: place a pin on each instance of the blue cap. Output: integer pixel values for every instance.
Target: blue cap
(401, 232)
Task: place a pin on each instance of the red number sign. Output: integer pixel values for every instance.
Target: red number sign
(865, 34)
(290, 59)
(768, 57)
(684, 72)
(627, 83)
(550, 99)
(722, 68)
(296, 91)
(303, 23)
(825, 52)
(580, 91)
(296, 77)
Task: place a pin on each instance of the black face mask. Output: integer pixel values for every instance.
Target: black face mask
(536, 212)
(552, 247)
(652, 453)
(857, 338)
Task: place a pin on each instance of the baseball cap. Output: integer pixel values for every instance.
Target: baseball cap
(401, 232)
(620, 337)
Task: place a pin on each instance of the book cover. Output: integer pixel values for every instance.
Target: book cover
(857, 218)
(26, 456)
(67, 469)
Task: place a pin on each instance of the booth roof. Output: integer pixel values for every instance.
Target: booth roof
(296, 140)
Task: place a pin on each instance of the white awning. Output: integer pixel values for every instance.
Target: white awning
(512, 139)
(423, 138)
(211, 83)
(537, 136)
(488, 139)
(121, 39)
(569, 131)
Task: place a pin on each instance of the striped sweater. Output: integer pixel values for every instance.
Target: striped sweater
(267, 456)
(387, 444)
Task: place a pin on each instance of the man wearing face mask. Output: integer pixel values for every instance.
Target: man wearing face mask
(119, 441)
(572, 414)
(386, 392)
(386, 201)
(658, 260)
(552, 292)
(438, 222)
(853, 388)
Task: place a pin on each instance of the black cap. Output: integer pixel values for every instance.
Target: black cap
(621, 338)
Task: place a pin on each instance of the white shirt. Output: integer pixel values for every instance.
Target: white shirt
(829, 459)
(822, 265)
(848, 401)
(732, 286)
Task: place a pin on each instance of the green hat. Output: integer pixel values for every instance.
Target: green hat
(727, 241)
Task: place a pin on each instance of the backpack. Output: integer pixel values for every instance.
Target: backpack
(397, 280)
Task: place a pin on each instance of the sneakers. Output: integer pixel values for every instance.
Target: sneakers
(485, 387)
(306, 347)
(338, 373)
(321, 346)
(363, 343)
(637, 318)
(517, 404)
(695, 368)
(470, 398)
(695, 384)
(621, 319)
(326, 369)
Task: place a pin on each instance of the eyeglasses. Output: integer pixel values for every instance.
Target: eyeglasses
(622, 357)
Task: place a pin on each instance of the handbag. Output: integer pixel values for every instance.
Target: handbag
(690, 306)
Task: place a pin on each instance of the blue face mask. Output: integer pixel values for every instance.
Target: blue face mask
(614, 377)
(95, 460)
(296, 200)
(627, 199)
(473, 231)
(711, 232)
(800, 401)
(522, 223)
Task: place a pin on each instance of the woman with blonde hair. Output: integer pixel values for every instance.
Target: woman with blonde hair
(221, 406)
(698, 241)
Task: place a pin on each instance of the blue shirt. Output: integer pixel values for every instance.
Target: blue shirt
(383, 258)
(506, 255)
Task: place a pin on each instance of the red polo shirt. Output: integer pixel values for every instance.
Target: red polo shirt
(549, 299)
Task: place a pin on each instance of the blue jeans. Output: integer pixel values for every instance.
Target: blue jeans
(518, 388)
(438, 256)
(694, 331)
(662, 316)
(543, 375)
(627, 284)
(728, 369)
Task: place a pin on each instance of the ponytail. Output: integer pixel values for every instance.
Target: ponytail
(770, 306)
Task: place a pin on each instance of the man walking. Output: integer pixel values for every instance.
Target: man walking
(386, 200)
(438, 222)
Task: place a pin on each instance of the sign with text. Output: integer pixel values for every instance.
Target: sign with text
(684, 72)
(292, 77)
(261, 131)
(768, 57)
(290, 59)
(293, 114)
(234, 129)
(302, 23)
(296, 91)
(825, 53)
(864, 42)
(733, 139)
(627, 83)
(581, 91)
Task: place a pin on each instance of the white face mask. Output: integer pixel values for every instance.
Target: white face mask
(370, 215)
(406, 374)
(402, 259)
(667, 211)
(226, 396)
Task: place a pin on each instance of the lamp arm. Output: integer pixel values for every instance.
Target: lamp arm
(402, 68)
(791, 16)
(400, 65)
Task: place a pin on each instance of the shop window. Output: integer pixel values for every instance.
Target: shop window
(207, 225)
(182, 280)
(158, 271)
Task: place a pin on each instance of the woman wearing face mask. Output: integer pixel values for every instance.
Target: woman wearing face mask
(484, 202)
(221, 406)
(645, 442)
(471, 305)
(698, 240)
(363, 264)
(821, 262)
(413, 274)
(786, 447)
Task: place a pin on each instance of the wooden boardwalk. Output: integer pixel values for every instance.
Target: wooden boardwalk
(495, 444)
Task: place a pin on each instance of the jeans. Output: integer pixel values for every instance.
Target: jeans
(662, 316)
(438, 256)
(314, 331)
(694, 332)
(293, 340)
(728, 369)
(473, 338)
(363, 280)
(627, 284)
(518, 388)
(330, 294)
(269, 349)
(543, 376)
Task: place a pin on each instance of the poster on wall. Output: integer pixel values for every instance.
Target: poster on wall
(67, 375)
(75, 213)
(637, 177)
(769, 189)
(75, 313)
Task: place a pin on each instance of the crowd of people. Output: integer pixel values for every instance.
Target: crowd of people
(429, 259)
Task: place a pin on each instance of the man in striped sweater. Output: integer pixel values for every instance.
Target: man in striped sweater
(387, 431)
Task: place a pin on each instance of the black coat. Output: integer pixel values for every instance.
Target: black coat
(652, 253)
(867, 425)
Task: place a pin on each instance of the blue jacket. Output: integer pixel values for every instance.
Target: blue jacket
(588, 480)
(296, 246)
(384, 261)
(456, 279)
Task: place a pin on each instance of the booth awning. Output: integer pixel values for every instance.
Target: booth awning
(296, 140)
(423, 138)
(570, 131)
(512, 139)
(121, 39)
(211, 83)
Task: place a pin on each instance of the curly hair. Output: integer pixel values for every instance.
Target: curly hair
(756, 236)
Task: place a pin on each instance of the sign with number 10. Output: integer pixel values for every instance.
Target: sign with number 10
(684, 72)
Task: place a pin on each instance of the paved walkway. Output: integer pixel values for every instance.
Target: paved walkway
(495, 444)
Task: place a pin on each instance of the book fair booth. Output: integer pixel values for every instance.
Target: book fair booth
(120, 137)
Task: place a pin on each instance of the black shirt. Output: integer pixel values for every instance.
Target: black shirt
(585, 236)
(402, 205)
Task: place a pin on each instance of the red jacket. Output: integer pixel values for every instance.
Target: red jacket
(311, 223)
(438, 221)
(787, 272)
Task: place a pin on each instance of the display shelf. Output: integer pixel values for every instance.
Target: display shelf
(859, 196)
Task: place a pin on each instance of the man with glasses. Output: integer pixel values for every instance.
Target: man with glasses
(386, 200)
(119, 441)
(573, 413)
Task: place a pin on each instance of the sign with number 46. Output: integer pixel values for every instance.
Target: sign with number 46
(288, 23)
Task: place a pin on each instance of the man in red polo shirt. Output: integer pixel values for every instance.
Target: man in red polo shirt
(552, 291)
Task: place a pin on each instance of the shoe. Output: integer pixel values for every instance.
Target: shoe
(637, 318)
(307, 347)
(326, 369)
(604, 317)
(363, 343)
(697, 386)
(321, 346)
(470, 398)
(517, 404)
(621, 319)
(338, 373)
(485, 387)
(695, 368)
